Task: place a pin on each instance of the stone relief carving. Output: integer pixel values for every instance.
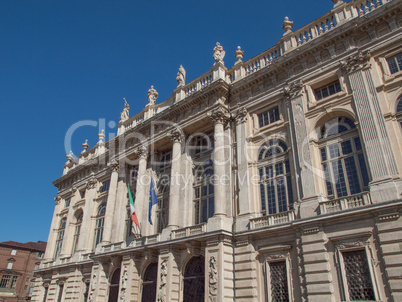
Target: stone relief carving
(181, 76)
(152, 96)
(219, 53)
(163, 281)
(91, 182)
(57, 199)
(175, 135)
(219, 115)
(123, 288)
(93, 288)
(356, 62)
(125, 113)
(241, 116)
(293, 90)
(114, 165)
(213, 280)
(70, 157)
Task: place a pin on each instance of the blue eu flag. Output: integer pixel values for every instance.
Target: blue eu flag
(152, 200)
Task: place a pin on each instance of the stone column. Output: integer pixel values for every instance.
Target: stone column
(174, 193)
(84, 242)
(53, 234)
(142, 196)
(120, 217)
(375, 137)
(69, 230)
(111, 201)
(220, 116)
(300, 140)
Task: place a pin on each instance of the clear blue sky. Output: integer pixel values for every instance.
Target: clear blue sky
(66, 61)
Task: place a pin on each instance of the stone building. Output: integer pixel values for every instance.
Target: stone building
(278, 179)
(17, 262)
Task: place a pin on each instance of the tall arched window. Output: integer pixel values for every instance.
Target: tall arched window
(149, 283)
(162, 212)
(77, 231)
(204, 193)
(399, 111)
(342, 158)
(194, 280)
(114, 286)
(100, 221)
(275, 178)
(60, 236)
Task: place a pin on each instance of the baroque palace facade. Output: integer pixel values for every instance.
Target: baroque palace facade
(276, 180)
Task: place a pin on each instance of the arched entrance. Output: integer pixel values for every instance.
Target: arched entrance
(149, 283)
(194, 280)
(114, 286)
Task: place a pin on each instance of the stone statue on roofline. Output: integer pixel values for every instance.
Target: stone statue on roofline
(219, 53)
(181, 76)
(152, 96)
(125, 113)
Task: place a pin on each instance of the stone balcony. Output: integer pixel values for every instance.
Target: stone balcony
(345, 203)
(274, 219)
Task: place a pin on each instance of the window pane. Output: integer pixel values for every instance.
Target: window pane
(271, 197)
(346, 147)
(281, 190)
(279, 281)
(358, 144)
(279, 169)
(393, 67)
(262, 190)
(211, 207)
(358, 277)
(323, 154)
(339, 178)
(334, 151)
(204, 215)
(351, 172)
(363, 169)
(290, 191)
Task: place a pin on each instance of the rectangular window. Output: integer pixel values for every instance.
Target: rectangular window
(13, 252)
(5, 280)
(357, 272)
(278, 281)
(13, 281)
(268, 117)
(327, 90)
(105, 186)
(395, 63)
(10, 265)
(67, 203)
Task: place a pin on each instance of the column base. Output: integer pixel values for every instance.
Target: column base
(219, 222)
(384, 190)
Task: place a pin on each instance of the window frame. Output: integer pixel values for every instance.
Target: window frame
(326, 87)
(283, 159)
(357, 242)
(325, 142)
(394, 57)
(100, 217)
(274, 254)
(267, 111)
(60, 236)
(201, 184)
(398, 111)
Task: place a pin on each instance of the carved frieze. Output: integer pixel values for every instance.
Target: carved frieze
(163, 282)
(212, 280)
(124, 279)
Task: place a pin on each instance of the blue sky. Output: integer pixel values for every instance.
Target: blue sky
(66, 61)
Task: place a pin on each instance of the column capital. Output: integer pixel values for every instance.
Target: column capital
(240, 116)
(293, 89)
(142, 152)
(114, 165)
(220, 115)
(356, 62)
(91, 183)
(175, 135)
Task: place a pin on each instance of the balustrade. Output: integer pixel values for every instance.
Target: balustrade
(273, 219)
(345, 203)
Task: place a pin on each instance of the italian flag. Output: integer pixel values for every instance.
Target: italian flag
(132, 208)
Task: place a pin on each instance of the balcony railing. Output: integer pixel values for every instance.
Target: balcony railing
(345, 203)
(189, 231)
(274, 219)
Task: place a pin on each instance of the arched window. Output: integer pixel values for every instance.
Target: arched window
(399, 111)
(204, 193)
(162, 212)
(149, 283)
(342, 158)
(60, 236)
(100, 221)
(114, 286)
(275, 178)
(77, 231)
(194, 279)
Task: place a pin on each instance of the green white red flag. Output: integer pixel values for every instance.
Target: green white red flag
(132, 208)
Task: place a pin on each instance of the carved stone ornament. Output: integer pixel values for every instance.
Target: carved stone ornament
(357, 62)
(241, 116)
(93, 288)
(101, 136)
(70, 157)
(91, 183)
(213, 280)
(220, 115)
(181, 76)
(275, 256)
(293, 90)
(239, 54)
(142, 152)
(85, 146)
(358, 242)
(124, 279)
(219, 53)
(125, 113)
(287, 26)
(57, 199)
(175, 135)
(163, 281)
(114, 165)
(152, 96)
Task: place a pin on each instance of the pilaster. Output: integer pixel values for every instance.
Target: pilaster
(69, 231)
(52, 234)
(168, 276)
(375, 137)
